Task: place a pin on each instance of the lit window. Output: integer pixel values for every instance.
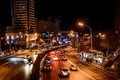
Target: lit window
(17, 36)
(12, 37)
(7, 37)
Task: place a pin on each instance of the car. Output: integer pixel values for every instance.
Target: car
(47, 61)
(47, 68)
(73, 67)
(28, 59)
(27, 56)
(61, 54)
(55, 58)
(64, 73)
(36, 53)
(47, 57)
(64, 59)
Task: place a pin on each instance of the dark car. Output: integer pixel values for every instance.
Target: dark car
(27, 56)
(47, 68)
(64, 59)
(28, 59)
(47, 61)
(64, 73)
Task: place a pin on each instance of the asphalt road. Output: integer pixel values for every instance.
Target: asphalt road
(57, 65)
(85, 71)
(15, 68)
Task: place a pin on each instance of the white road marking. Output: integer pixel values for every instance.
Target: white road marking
(83, 71)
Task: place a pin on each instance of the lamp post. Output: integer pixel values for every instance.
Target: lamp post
(0, 44)
(81, 24)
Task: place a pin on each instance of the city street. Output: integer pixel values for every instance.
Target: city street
(15, 68)
(85, 71)
(58, 40)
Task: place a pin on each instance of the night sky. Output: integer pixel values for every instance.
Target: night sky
(5, 13)
(99, 14)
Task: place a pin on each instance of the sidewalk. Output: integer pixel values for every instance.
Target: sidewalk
(94, 64)
(100, 66)
(10, 55)
(5, 57)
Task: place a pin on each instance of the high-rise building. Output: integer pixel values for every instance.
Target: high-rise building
(117, 14)
(117, 20)
(23, 15)
(22, 31)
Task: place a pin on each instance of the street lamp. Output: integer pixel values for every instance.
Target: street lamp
(81, 24)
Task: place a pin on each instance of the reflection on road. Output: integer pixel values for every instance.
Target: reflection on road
(15, 68)
(28, 69)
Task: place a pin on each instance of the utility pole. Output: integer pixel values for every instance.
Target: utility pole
(0, 42)
(10, 43)
(0, 35)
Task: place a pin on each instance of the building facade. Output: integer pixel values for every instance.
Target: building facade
(22, 32)
(117, 20)
(48, 26)
(117, 14)
(23, 15)
(48, 30)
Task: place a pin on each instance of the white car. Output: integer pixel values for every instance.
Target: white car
(55, 58)
(73, 67)
(64, 73)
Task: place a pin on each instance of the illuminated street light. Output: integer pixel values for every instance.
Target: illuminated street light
(81, 24)
(102, 36)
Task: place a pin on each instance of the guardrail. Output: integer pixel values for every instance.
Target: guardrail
(36, 71)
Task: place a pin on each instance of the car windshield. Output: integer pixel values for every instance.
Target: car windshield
(73, 65)
(64, 72)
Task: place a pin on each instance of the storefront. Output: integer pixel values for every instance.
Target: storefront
(95, 56)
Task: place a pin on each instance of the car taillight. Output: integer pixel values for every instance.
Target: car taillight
(68, 71)
(50, 67)
(45, 67)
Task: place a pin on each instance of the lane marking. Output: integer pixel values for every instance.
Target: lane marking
(83, 71)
